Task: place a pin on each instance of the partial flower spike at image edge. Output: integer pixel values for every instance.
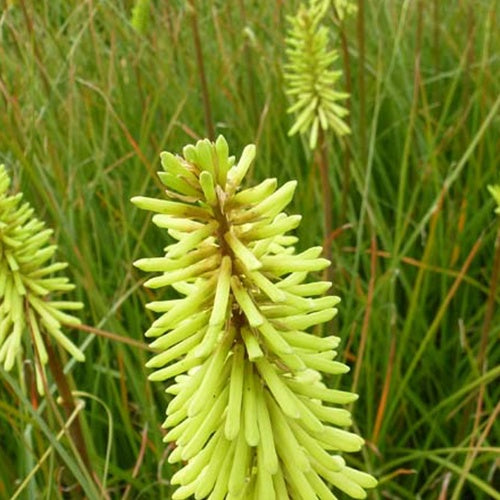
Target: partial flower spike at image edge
(29, 312)
(251, 415)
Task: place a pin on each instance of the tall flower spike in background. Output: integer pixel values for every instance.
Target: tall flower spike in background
(310, 80)
(343, 8)
(251, 415)
(140, 16)
(27, 310)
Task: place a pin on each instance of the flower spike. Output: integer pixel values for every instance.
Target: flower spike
(251, 416)
(310, 80)
(27, 310)
(495, 193)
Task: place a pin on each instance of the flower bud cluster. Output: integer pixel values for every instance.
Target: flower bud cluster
(27, 311)
(251, 416)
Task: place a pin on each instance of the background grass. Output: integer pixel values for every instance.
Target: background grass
(87, 104)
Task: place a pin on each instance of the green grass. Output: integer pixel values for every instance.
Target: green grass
(87, 104)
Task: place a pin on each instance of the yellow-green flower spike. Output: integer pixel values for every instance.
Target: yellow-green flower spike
(27, 311)
(309, 76)
(251, 416)
(495, 192)
(140, 16)
(343, 8)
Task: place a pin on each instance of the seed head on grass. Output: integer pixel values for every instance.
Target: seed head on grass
(251, 415)
(27, 310)
(309, 76)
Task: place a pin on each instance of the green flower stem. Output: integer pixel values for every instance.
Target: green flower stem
(360, 29)
(201, 70)
(322, 154)
(68, 403)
